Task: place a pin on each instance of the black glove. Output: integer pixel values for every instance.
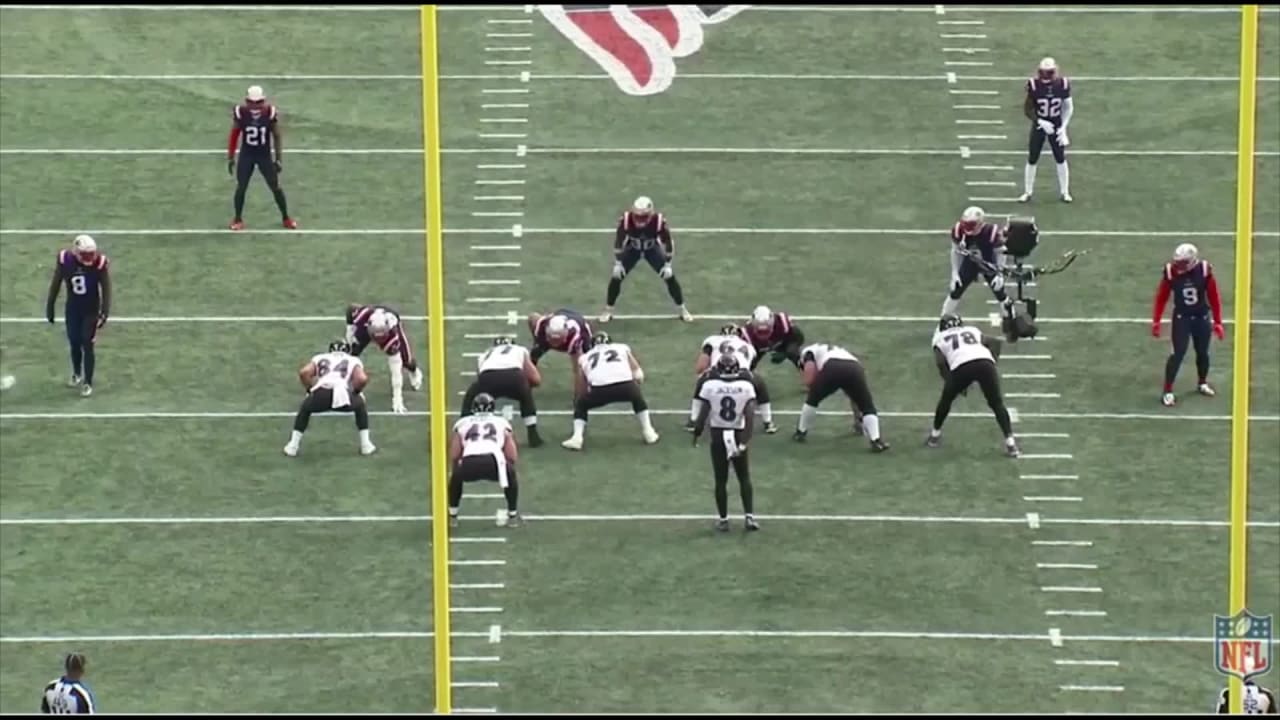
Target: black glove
(48, 314)
(777, 357)
(279, 167)
(231, 166)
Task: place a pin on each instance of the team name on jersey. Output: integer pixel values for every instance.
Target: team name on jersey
(607, 364)
(502, 357)
(728, 400)
(483, 434)
(821, 353)
(960, 345)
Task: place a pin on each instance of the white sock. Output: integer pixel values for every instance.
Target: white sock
(643, 417)
(766, 412)
(531, 421)
(871, 426)
(295, 438)
(453, 512)
(693, 410)
(808, 414)
(1064, 178)
(579, 427)
(949, 305)
(935, 432)
(1029, 178)
(1010, 441)
(364, 437)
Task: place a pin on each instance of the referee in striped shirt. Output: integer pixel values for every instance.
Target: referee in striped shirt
(68, 695)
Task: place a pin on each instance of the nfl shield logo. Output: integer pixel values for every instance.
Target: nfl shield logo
(1242, 644)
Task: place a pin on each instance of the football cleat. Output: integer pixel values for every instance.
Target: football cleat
(1206, 390)
(237, 224)
(74, 381)
(879, 445)
(800, 435)
(368, 448)
(770, 428)
(453, 521)
(650, 437)
(685, 315)
(1066, 197)
(722, 525)
(513, 519)
(933, 441)
(291, 450)
(86, 391)
(415, 380)
(1024, 197)
(1012, 450)
(1168, 399)
(573, 443)
(690, 425)
(607, 315)
(290, 224)
(535, 439)
(751, 524)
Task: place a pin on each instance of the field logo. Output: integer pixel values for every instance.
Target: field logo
(637, 45)
(1242, 644)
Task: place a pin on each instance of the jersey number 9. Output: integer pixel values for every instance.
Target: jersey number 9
(1190, 295)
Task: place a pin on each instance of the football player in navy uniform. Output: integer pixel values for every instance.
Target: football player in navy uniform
(643, 233)
(775, 333)
(1049, 107)
(971, 233)
(84, 271)
(380, 325)
(1194, 289)
(257, 123)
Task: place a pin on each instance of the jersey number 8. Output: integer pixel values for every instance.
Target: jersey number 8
(79, 285)
(728, 409)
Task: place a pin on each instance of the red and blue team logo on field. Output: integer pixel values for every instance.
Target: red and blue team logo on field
(637, 45)
(1242, 644)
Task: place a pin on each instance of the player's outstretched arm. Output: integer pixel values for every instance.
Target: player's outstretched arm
(307, 376)
(808, 373)
(1163, 291)
(455, 449)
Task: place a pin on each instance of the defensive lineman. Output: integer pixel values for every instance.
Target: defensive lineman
(826, 369)
(643, 233)
(86, 274)
(728, 400)
(1049, 107)
(608, 373)
(333, 381)
(730, 341)
(68, 695)
(483, 448)
(1190, 281)
(381, 325)
(506, 371)
(965, 356)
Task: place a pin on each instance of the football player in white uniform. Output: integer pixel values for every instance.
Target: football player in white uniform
(827, 368)
(727, 399)
(507, 371)
(731, 341)
(608, 373)
(1257, 700)
(965, 356)
(333, 381)
(483, 447)
(381, 325)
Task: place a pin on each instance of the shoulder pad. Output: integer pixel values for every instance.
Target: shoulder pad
(275, 114)
(235, 112)
(102, 262)
(1031, 85)
(1208, 269)
(1066, 84)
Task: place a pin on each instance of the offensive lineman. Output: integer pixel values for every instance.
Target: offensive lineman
(483, 448)
(1049, 107)
(506, 371)
(333, 381)
(85, 272)
(826, 369)
(727, 399)
(973, 232)
(730, 341)
(381, 325)
(643, 233)
(1194, 289)
(965, 356)
(257, 122)
(608, 373)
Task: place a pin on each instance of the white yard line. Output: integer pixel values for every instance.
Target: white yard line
(536, 77)
(181, 319)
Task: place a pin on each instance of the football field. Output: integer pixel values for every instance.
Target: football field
(808, 159)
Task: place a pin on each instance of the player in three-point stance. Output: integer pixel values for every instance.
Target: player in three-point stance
(643, 234)
(774, 333)
(965, 356)
(506, 371)
(1194, 289)
(85, 273)
(1049, 107)
(731, 341)
(608, 373)
(728, 399)
(257, 123)
(334, 381)
(973, 233)
(563, 330)
(380, 325)
(824, 370)
(483, 447)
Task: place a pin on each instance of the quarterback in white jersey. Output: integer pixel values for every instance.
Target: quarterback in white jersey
(726, 399)
(333, 381)
(608, 373)
(506, 370)
(965, 356)
(731, 340)
(482, 447)
(826, 369)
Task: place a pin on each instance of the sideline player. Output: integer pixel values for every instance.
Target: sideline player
(1190, 281)
(608, 373)
(483, 448)
(731, 341)
(68, 695)
(1049, 107)
(257, 123)
(505, 371)
(775, 333)
(826, 369)
(381, 326)
(86, 274)
(333, 381)
(728, 400)
(643, 233)
(965, 356)
(974, 233)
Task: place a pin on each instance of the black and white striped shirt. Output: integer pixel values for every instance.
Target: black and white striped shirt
(67, 697)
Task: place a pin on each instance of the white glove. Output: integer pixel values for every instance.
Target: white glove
(996, 282)
(351, 333)
(415, 380)
(618, 271)
(397, 405)
(666, 272)
(1062, 137)
(1046, 127)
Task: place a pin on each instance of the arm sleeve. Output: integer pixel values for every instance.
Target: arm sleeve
(619, 237)
(1163, 291)
(1068, 109)
(1215, 299)
(664, 237)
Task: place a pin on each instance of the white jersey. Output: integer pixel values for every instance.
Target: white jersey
(502, 357)
(607, 364)
(334, 369)
(960, 345)
(820, 353)
(717, 346)
(728, 400)
(482, 434)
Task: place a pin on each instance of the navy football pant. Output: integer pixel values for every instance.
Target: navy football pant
(656, 259)
(244, 172)
(1188, 330)
(1035, 144)
(82, 330)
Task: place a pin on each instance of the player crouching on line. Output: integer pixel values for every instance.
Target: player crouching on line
(608, 373)
(506, 371)
(730, 341)
(965, 356)
(381, 325)
(775, 333)
(824, 370)
(727, 398)
(483, 448)
(333, 381)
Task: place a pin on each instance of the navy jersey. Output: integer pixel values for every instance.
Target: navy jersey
(1190, 289)
(636, 233)
(576, 341)
(1048, 96)
(255, 123)
(67, 697)
(83, 281)
(771, 338)
(986, 239)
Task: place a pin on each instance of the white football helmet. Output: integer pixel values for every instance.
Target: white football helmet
(1047, 69)
(382, 322)
(85, 246)
(1185, 255)
(642, 206)
(972, 218)
(762, 317)
(558, 326)
(255, 94)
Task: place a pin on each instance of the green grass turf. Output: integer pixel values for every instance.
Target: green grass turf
(633, 574)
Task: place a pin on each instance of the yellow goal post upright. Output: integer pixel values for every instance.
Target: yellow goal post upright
(439, 473)
(1239, 557)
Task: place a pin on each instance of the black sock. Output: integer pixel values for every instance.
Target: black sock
(362, 414)
(283, 204)
(512, 491)
(88, 364)
(1171, 371)
(239, 200)
(615, 288)
(76, 366)
(455, 492)
(748, 495)
(1004, 421)
(674, 290)
(1202, 366)
(722, 499)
